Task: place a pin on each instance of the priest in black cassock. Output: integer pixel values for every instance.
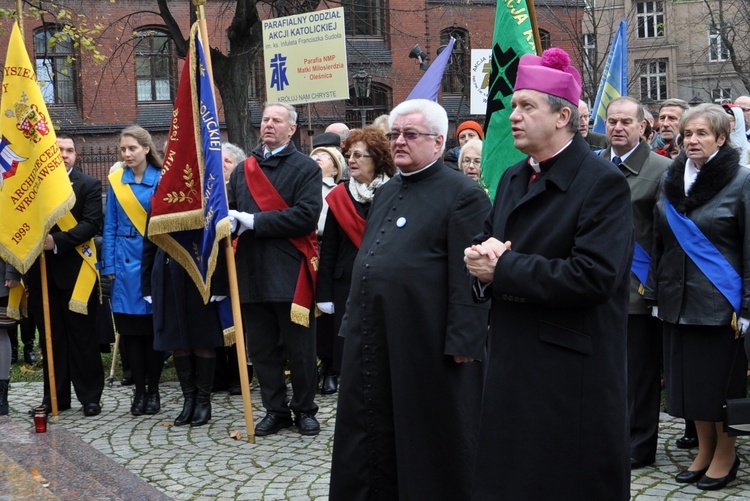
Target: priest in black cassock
(411, 378)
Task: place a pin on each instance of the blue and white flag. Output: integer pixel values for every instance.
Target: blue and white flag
(429, 85)
(189, 212)
(614, 82)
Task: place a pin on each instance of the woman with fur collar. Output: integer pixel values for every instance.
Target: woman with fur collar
(705, 197)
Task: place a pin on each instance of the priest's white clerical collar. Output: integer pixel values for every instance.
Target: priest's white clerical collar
(535, 165)
(407, 174)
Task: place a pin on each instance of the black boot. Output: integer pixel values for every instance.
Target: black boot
(153, 401)
(204, 376)
(4, 383)
(138, 408)
(186, 375)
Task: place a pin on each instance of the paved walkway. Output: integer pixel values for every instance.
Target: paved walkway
(115, 450)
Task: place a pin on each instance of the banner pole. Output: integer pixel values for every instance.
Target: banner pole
(234, 293)
(49, 358)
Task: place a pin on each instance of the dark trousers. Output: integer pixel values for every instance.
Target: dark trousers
(75, 346)
(271, 339)
(27, 328)
(145, 362)
(644, 385)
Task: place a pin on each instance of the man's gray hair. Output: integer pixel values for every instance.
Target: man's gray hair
(289, 108)
(558, 103)
(238, 154)
(435, 116)
(679, 103)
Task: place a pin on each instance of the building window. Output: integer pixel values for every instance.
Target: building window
(545, 38)
(364, 18)
(653, 79)
(717, 50)
(155, 66)
(650, 19)
(721, 95)
(457, 73)
(56, 70)
(360, 112)
(589, 51)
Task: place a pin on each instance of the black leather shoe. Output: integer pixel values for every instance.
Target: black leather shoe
(307, 424)
(92, 409)
(637, 463)
(712, 484)
(48, 408)
(29, 356)
(153, 403)
(690, 477)
(139, 405)
(272, 423)
(330, 384)
(127, 381)
(235, 389)
(687, 442)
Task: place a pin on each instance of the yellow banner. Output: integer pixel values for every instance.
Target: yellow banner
(35, 190)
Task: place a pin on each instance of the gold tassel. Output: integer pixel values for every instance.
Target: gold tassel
(641, 289)
(300, 315)
(735, 326)
(229, 336)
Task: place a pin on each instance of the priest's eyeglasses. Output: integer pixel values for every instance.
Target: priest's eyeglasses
(409, 135)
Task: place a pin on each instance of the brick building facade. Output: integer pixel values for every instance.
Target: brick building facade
(137, 80)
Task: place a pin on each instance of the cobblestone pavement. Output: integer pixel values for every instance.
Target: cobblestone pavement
(205, 463)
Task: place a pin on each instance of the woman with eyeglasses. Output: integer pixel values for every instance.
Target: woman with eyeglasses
(470, 161)
(368, 154)
(332, 165)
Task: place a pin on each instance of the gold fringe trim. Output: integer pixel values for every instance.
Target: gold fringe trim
(735, 326)
(641, 289)
(16, 313)
(23, 264)
(230, 337)
(181, 221)
(300, 315)
(78, 307)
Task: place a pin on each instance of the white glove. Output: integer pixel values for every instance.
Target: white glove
(244, 219)
(147, 299)
(216, 299)
(326, 308)
(743, 324)
(655, 312)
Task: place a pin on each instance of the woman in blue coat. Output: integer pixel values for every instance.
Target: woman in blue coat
(128, 203)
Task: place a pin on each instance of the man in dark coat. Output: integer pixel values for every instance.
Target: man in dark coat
(643, 170)
(75, 337)
(269, 269)
(411, 379)
(555, 259)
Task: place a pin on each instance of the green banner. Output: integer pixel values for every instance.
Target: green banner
(513, 38)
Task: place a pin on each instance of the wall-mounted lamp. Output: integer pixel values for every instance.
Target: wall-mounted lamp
(420, 55)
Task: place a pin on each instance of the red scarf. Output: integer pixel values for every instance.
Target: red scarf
(268, 199)
(340, 203)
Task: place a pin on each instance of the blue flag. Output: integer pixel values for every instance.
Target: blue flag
(429, 85)
(189, 212)
(614, 81)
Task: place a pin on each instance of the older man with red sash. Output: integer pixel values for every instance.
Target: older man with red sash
(275, 201)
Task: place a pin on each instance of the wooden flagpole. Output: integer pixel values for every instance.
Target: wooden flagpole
(48, 356)
(234, 294)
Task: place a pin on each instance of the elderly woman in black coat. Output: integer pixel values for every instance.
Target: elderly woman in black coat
(701, 290)
(368, 154)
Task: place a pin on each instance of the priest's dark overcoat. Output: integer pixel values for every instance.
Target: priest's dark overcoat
(407, 412)
(554, 418)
